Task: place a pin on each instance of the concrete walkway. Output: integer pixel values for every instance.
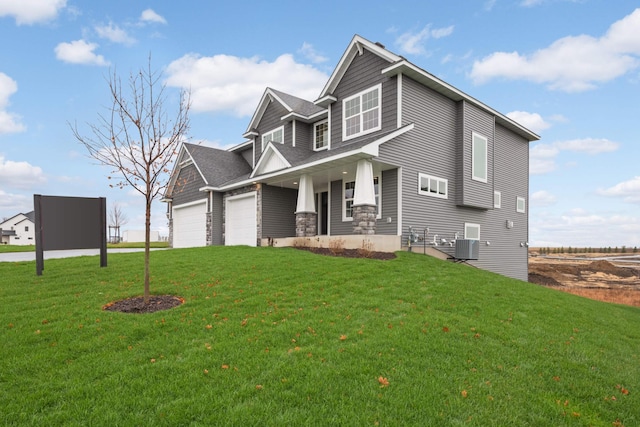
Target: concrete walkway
(31, 256)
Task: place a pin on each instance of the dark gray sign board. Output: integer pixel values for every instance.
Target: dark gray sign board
(64, 223)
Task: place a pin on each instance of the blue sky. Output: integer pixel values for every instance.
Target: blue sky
(568, 70)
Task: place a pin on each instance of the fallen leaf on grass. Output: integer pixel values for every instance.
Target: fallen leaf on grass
(383, 381)
(258, 386)
(343, 337)
(464, 393)
(445, 329)
(225, 366)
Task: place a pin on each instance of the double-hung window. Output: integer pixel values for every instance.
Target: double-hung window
(348, 190)
(276, 135)
(479, 151)
(362, 113)
(321, 135)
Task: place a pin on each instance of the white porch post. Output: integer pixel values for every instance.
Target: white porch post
(306, 216)
(364, 199)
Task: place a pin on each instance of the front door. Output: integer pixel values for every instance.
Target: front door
(323, 213)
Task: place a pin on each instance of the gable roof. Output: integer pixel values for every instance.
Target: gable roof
(215, 166)
(399, 65)
(297, 108)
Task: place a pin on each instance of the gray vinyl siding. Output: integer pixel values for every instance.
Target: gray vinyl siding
(216, 219)
(474, 193)
(278, 211)
(186, 187)
(364, 73)
(248, 155)
(270, 121)
(431, 148)
(389, 203)
(304, 135)
(337, 226)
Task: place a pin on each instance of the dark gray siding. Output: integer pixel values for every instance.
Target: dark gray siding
(278, 211)
(431, 148)
(337, 226)
(474, 193)
(270, 121)
(389, 203)
(217, 224)
(304, 135)
(505, 254)
(186, 187)
(247, 154)
(364, 73)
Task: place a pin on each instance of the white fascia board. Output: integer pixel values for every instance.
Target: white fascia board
(371, 150)
(265, 154)
(431, 81)
(306, 119)
(197, 167)
(257, 115)
(242, 144)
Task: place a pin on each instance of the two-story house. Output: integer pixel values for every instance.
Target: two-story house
(18, 230)
(387, 149)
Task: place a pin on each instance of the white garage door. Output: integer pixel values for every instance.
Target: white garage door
(240, 220)
(190, 224)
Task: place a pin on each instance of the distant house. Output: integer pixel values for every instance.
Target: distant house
(387, 149)
(18, 230)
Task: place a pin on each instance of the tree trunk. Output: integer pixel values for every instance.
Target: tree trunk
(147, 244)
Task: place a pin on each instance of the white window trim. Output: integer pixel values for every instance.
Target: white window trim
(469, 225)
(439, 180)
(315, 130)
(270, 133)
(524, 204)
(377, 87)
(497, 200)
(346, 218)
(475, 135)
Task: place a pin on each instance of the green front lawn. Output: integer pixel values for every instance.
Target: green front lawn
(271, 336)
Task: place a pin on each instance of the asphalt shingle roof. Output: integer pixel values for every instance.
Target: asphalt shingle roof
(218, 166)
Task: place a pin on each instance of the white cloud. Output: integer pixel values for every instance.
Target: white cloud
(80, 52)
(588, 145)
(413, 43)
(21, 175)
(234, 84)
(570, 64)
(542, 198)
(31, 11)
(114, 33)
(542, 156)
(532, 121)
(12, 204)
(9, 122)
(311, 54)
(150, 16)
(629, 190)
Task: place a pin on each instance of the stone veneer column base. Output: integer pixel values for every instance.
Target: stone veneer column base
(364, 219)
(306, 224)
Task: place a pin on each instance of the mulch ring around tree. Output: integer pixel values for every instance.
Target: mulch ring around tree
(136, 305)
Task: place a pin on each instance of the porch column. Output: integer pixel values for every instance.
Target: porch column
(306, 215)
(364, 200)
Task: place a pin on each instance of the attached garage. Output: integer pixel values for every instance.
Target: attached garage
(240, 220)
(190, 224)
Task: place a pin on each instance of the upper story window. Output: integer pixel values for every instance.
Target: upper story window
(521, 205)
(321, 135)
(479, 152)
(26, 228)
(432, 186)
(348, 190)
(362, 113)
(276, 135)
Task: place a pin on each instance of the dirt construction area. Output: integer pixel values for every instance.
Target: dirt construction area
(602, 277)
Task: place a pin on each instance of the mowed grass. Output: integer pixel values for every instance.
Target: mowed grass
(275, 337)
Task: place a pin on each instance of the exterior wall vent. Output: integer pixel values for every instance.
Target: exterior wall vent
(467, 249)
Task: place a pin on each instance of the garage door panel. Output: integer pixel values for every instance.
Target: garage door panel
(241, 223)
(190, 225)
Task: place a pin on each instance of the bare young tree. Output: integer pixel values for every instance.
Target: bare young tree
(116, 219)
(138, 139)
